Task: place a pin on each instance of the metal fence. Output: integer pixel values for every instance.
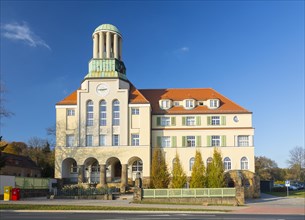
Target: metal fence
(31, 183)
(189, 193)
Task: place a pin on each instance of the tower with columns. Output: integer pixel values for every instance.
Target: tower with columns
(107, 129)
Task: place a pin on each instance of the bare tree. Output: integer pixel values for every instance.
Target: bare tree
(3, 111)
(297, 157)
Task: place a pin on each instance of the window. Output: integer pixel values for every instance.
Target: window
(137, 166)
(165, 104)
(214, 103)
(165, 121)
(102, 140)
(215, 141)
(189, 104)
(227, 163)
(190, 141)
(103, 113)
(89, 140)
(190, 121)
(215, 120)
(116, 140)
(90, 113)
(70, 140)
(73, 168)
(116, 113)
(209, 161)
(192, 161)
(165, 141)
(70, 112)
(135, 140)
(176, 103)
(135, 111)
(243, 141)
(95, 167)
(244, 165)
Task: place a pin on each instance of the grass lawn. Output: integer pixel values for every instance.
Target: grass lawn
(292, 194)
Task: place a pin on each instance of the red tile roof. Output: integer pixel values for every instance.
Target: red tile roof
(135, 96)
(199, 94)
(69, 100)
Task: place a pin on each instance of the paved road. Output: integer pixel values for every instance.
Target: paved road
(138, 216)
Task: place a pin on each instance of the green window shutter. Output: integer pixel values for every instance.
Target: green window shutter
(158, 121)
(209, 141)
(183, 120)
(174, 141)
(209, 120)
(223, 120)
(198, 141)
(173, 121)
(183, 141)
(158, 141)
(223, 141)
(198, 120)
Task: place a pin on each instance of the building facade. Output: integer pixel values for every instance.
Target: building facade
(107, 129)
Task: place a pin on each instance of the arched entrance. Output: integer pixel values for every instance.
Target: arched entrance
(69, 170)
(113, 170)
(135, 168)
(92, 171)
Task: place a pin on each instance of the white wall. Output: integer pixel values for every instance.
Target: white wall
(6, 181)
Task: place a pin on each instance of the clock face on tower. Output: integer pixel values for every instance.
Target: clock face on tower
(102, 89)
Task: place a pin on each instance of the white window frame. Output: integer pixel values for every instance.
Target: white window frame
(165, 104)
(135, 111)
(137, 166)
(215, 141)
(190, 121)
(116, 140)
(102, 140)
(214, 103)
(116, 113)
(73, 167)
(191, 163)
(135, 139)
(165, 141)
(70, 112)
(103, 113)
(227, 163)
(89, 140)
(215, 120)
(165, 121)
(90, 113)
(244, 163)
(70, 138)
(189, 103)
(190, 141)
(243, 141)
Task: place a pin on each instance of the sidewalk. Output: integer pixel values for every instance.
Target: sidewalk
(267, 204)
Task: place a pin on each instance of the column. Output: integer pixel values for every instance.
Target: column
(95, 45)
(120, 48)
(101, 45)
(124, 178)
(116, 46)
(108, 44)
(80, 174)
(103, 175)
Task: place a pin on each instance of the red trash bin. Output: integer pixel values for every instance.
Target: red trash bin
(15, 194)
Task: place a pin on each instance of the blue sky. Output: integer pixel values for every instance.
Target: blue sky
(250, 51)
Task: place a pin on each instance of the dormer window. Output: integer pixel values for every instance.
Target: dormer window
(214, 103)
(165, 103)
(189, 103)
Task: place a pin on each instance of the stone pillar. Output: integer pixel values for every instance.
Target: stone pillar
(116, 46)
(120, 48)
(240, 195)
(108, 44)
(124, 178)
(95, 46)
(101, 45)
(80, 174)
(103, 175)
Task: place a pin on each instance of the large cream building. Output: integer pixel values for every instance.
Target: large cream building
(107, 129)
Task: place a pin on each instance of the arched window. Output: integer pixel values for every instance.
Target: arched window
(89, 113)
(116, 113)
(209, 161)
(103, 114)
(244, 163)
(192, 161)
(137, 166)
(227, 163)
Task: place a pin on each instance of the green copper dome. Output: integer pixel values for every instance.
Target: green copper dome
(107, 27)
